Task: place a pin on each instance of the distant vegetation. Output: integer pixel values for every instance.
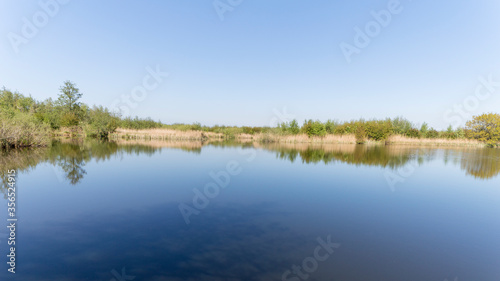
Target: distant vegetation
(27, 122)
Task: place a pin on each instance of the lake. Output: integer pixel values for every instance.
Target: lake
(92, 210)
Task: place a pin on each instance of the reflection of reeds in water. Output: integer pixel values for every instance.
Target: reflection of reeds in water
(21, 160)
(72, 155)
(191, 146)
(371, 155)
(479, 162)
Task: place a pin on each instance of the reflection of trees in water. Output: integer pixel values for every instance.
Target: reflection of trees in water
(355, 155)
(72, 156)
(482, 163)
(21, 160)
(478, 162)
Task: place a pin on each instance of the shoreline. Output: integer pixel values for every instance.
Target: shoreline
(177, 135)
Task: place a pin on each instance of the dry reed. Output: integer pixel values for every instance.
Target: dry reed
(169, 134)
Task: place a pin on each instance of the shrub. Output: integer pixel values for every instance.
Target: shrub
(101, 123)
(248, 130)
(294, 127)
(343, 129)
(413, 133)
(22, 130)
(432, 134)
(360, 135)
(401, 126)
(69, 119)
(485, 128)
(196, 127)
(460, 133)
(283, 127)
(330, 126)
(378, 130)
(314, 128)
(258, 129)
(146, 123)
(424, 129)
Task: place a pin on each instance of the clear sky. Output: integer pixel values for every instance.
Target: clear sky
(262, 57)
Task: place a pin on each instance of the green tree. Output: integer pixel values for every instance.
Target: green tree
(360, 135)
(378, 129)
(424, 129)
(330, 126)
(69, 96)
(413, 133)
(432, 134)
(460, 133)
(69, 119)
(314, 128)
(283, 127)
(102, 122)
(485, 128)
(401, 126)
(294, 127)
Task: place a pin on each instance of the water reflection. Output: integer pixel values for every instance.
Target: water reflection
(383, 156)
(482, 163)
(253, 232)
(22, 160)
(232, 242)
(71, 158)
(72, 155)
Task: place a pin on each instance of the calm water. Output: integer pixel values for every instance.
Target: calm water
(183, 211)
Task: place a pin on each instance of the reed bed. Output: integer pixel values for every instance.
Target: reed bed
(177, 135)
(164, 134)
(301, 138)
(156, 143)
(397, 139)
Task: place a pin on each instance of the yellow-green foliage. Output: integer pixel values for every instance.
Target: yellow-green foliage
(360, 135)
(69, 119)
(485, 128)
(101, 123)
(22, 130)
(378, 129)
(314, 128)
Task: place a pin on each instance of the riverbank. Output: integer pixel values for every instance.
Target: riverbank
(169, 134)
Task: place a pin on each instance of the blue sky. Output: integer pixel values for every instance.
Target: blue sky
(263, 57)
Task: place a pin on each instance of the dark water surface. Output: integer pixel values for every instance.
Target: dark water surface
(187, 211)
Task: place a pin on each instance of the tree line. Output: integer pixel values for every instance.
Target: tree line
(485, 128)
(25, 121)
